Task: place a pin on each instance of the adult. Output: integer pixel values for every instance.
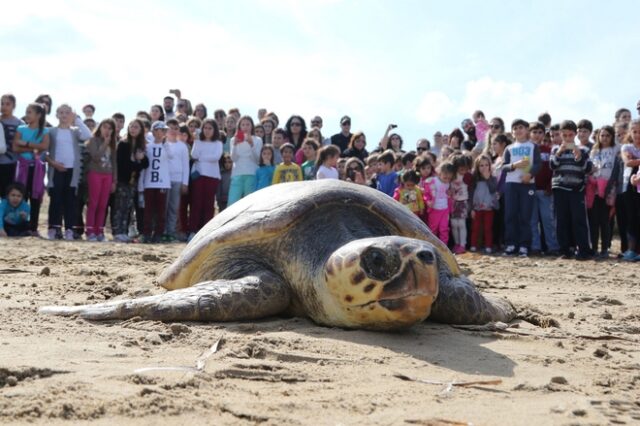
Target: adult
(317, 122)
(423, 145)
(622, 115)
(168, 104)
(342, 139)
(200, 111)
(391, 141)
(296, 129)
(10, 125)
(638, 107)
(470, 129)
(496, 127)
(356, 147)
(438, 142)
(156, 113)
(456, 137)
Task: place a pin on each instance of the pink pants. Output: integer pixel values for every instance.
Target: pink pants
(438, 221)
(99, 187)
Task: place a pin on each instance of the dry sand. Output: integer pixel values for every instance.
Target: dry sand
(289, 371)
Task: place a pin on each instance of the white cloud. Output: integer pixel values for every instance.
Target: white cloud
(572, 98)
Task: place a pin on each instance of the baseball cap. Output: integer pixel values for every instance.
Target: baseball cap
(159, 125)
(346, 119)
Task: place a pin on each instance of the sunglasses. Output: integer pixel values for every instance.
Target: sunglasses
(422, 149)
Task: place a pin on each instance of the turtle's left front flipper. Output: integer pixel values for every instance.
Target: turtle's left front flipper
(252, 297)
(460, 302)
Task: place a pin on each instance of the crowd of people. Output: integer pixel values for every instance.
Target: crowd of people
(535, 188)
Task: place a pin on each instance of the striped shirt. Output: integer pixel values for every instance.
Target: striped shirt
(569, 174)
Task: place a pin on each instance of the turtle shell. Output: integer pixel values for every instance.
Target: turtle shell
(272, 211)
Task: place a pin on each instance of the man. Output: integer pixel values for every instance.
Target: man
(168, 104)
(341, 140)
(317, 122)
(437, 143)
(638, 107)
(423, 145)
(470, 129)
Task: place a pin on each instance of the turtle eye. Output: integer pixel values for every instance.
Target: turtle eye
(378, 264)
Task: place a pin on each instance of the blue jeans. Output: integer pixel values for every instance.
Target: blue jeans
(241, 186)
(518, 205)
(543, 214)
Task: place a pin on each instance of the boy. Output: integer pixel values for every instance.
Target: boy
(371, 170)
(178, 175)
(410, 195)
(14, 213)
(278, 138)
(156, 183)
(309, 149)
(522, 163)
(585, 128)
(543, 198)
(387, 178)
(407, 163)
(570, 164)
(88, 111)
(287, 171)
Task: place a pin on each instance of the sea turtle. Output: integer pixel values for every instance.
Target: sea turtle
(342, 254)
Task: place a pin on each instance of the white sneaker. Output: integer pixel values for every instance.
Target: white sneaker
(122, 238)
(523, 252)
(488, 250)
(68, 235)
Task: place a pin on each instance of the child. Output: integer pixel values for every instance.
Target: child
(482, 128)
(156, 183)
(179, 173)
(328, 159)
(14, 213)
(543, 200)
(185, 134)
(438, 200)
(484, 202)
(287, 171)
(131, 159)
(570, 164)
(631, 158)
(222, 194)
(245, 153)
(341, 165)
(278, 138)
(10, 124)
(409, 194)
(30, 141)
(407, 162)
(371, 169)
(64, 171)
(522, 163)
(205, 173)
(605, 156)
(355, 171)
(264, 174)
(310, 151)
(387, 178)
(424, 166)
(101, 177)
(460, 193)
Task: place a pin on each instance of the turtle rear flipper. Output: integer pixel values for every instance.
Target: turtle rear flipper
(247, 298)
(460, 302)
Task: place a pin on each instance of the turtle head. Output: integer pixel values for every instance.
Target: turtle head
(383, 283)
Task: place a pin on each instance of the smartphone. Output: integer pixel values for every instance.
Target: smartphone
(393, 126)
(239, 135)
(571, 146)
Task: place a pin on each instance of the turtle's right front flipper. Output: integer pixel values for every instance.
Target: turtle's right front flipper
(252, 297)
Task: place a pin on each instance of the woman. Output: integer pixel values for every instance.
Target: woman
(200, 111)
(296, 129)
(392, 141)
(356, 147)
(156, 113)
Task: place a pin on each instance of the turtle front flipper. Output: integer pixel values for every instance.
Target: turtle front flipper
(247, 298)
(460, 302)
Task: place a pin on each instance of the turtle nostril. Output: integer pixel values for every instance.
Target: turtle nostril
(426, 256)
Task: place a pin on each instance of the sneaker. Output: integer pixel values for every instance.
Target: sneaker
(68, 235)
(629, 255)
(122, 238)
(156, 239)
(583, 256)
(488, 250)
(51, 234)
(100, 237)
(92, 238)
(473, 249)
(458, 249)
(510, 251)
(145, 239)
(523, 252)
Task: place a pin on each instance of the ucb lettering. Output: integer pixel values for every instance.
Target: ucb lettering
(155, 164)
(155, 177)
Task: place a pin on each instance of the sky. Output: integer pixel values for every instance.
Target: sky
(423, 65)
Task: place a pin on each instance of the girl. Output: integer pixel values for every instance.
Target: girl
(328, 160)
(356, 147)
(269, 126)
(206, 154)
(101, 177)
(316, 134)
(498, 145)
(179, 171)
(186, 136)
(456, 137)
(64, 171)
(409, 194)
(310, 151)
(245, 153)
(200, 111)
(264, 174)
(605, 156)
(438, 201)
(229, 130)
(30, 141)
(259, 131)
(131, 159)
(222, 195)
(194, 125)
(156, 113)
(631, 160)
(355, 171)
(460, 190)
(484, 200)
(424, 167)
